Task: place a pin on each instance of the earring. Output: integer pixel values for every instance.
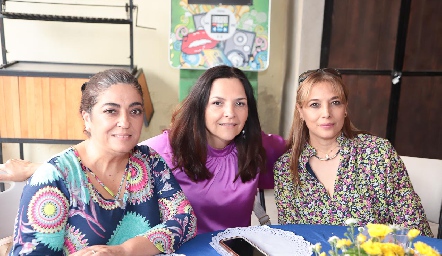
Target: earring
(243, 134)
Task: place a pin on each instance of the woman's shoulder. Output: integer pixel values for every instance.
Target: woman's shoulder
(369, 140)
(272, 140)
(283, 160)
(274, 145)
(373, 147)
(60, 166)
(66, 157)
(281, 168)
(159, 143)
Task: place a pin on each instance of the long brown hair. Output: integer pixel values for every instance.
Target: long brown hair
(299, 133)
(188, 130)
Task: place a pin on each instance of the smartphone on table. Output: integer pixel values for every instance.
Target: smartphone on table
(241, 246)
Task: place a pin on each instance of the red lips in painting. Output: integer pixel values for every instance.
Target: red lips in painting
(197, 41)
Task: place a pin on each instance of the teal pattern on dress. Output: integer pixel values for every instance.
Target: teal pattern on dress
(131, 223)
(61, 212)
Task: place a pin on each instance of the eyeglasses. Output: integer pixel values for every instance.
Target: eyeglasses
(307, 73)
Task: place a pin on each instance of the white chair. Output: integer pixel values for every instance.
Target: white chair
(426, 177)
(9, 201)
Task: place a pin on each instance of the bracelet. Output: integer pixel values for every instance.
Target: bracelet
(264, 219)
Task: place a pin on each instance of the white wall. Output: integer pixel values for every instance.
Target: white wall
(304, 36)
(109, 44)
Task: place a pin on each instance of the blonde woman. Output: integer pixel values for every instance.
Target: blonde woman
(333, 171)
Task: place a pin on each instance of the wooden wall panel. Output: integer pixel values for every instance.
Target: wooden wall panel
(46, 99)
(23, 103)
(38, 131)
(47, 107)
(424, 40)
(31, 107)
(10, 119)
(2, 106)
(40, 108)
(58, 107)
(368, 102)
(148, 106)
(419, 127)
(74, 122)
(10, 98)
(363, 34)
(363, 41)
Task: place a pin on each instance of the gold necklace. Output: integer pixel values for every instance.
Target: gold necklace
(327, 157)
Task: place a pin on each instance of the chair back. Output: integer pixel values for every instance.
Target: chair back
(9, 202)
(426, 177)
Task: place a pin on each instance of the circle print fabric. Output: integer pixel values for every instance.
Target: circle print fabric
(48, 210)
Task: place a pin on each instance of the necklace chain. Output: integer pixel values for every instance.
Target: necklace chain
(327, 156)
(116, 197)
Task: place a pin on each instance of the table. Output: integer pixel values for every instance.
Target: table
(312, 233)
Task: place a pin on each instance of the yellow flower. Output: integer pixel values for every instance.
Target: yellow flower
(410, 251)
(413, 233)
(374, 243)
(392, 249)
(343, 243)
(378, 230)
(372, 248)
(317, 247)
(424, 249)
(361, 238)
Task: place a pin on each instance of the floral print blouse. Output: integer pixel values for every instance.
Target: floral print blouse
(372, 185)
(61, 212)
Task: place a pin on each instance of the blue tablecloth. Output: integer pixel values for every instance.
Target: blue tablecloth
(312, 233)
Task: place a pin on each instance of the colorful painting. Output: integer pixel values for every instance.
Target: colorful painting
(203, 36)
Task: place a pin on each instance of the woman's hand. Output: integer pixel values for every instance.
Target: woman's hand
(17, 170)
(100, 250)
(133, 247)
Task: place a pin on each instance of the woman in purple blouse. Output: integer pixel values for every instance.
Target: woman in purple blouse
(216, 149)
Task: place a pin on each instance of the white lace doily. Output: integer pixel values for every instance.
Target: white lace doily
(273, 241)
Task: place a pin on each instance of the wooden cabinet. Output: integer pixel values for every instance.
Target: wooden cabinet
(41, 108)
(34, 107)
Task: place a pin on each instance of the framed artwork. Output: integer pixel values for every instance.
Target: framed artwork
(207, 35)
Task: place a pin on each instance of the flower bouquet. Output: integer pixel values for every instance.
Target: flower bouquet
(376, 239)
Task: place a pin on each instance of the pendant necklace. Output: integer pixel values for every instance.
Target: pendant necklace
(116, 197)
(327, 157)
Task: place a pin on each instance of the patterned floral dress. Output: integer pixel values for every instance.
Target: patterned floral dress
(61, 212)
(372, 185)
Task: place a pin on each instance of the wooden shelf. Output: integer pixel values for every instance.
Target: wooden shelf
(27, 16)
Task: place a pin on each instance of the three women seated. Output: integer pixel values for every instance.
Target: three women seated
(97, 190)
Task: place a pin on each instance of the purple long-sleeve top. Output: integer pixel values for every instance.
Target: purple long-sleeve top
(220, 203)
